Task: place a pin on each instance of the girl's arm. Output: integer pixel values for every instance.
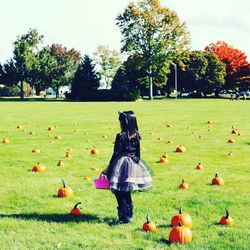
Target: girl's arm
(117, 148)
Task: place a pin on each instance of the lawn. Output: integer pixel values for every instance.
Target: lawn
(32, 217)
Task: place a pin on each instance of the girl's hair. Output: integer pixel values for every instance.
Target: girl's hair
(129, 124)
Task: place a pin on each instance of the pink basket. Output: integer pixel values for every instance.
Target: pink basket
(102, 182)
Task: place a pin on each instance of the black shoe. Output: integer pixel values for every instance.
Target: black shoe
(122, 215)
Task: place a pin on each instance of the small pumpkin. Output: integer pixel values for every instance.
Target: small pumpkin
(87, 178)
(169, 125)
(65, 192)
(231, 140)
(60, 164)
(180, 149)
(68, 155)
(183, 185)
(18, 126)
(199, 167)
(234, 131)
(180, 234)
(164, 158)
(32, 133)
(170, 142)
(51, 128)
(185, 219)
(35, 150)
(226, 220)
(149, 226)
(38, 168)
(230, 154)
(75, 210)
(210, 122)
(94, 151)
(58, 137)
(217, 180)
(6, 140)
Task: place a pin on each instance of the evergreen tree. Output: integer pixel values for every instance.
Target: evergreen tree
(85, 79)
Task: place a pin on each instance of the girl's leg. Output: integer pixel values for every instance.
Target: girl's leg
(129, 203)
(122, 207)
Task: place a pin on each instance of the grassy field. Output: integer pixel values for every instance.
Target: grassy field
(32, 217)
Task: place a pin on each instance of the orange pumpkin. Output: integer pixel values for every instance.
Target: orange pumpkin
(180, 149)
(87, 178)
(6, 140)
(231, 140)
(94, 151)
(75, 210)
(149, 226)
(234, 131)
(68, 155)
(35, 150)
(183, 185)
(60, 164)
(226, 220)
(217, 180)
(164, 158)
(185, 219)
(38, 168)
(65, 192)
(180, 234)
(199, 166)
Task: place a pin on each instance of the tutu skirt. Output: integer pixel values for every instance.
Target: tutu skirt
(129, 174)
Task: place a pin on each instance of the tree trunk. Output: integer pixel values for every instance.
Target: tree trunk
(57, 92)
(21, 90)
(150, 78)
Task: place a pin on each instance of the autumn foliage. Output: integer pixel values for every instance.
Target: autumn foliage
(237, 66)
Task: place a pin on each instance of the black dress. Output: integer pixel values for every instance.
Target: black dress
(126, 171)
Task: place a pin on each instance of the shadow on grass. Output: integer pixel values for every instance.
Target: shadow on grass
(60, 218)
(165, 241)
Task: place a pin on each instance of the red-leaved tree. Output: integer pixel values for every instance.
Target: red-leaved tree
(237, 66)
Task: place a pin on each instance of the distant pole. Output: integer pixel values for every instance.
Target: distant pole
(175, 78)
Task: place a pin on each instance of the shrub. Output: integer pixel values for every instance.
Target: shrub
(9, 91)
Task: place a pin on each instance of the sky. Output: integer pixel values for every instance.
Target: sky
(85, 24)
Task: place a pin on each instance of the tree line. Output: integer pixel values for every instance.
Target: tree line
(154, 40)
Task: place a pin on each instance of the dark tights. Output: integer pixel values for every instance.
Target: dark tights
(123, 198)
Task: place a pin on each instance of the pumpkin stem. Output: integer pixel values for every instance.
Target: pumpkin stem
(216, 175)
(180, 210)
(94, 147)
(227, 214)
(38, 163)
(77, 205)
(180, 224)
(148, 219)
(183, 181)
(63, 183)
(199, 163)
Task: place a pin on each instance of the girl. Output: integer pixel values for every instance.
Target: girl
(126, 171)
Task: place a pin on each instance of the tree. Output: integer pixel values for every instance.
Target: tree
(8, 73)
(85, 78)
(205, 73)
(233, 59)
(57, 66)
(155, 33)
(18, 69)
(108, 61)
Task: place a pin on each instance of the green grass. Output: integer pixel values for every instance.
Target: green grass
(32, 217)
